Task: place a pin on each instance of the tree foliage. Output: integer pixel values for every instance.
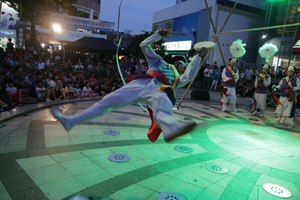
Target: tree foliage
(135, 50)
(35, 10)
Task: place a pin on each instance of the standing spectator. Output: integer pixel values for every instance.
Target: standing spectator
(242, 74)
(215, 77)
(249, 73)
(207, 77)
(10, 45)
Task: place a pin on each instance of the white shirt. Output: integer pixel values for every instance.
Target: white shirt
(41, 66)
(11, 90)
(209, 72)
(38, 93)
(86, 90)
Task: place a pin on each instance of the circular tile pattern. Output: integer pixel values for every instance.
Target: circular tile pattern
(186, 118)
(204, 116)
(170, 196)
(111, 132)
(228, 116)
(183, 149)
(119, 158)
(123, 118)
(277, 190)
(216, 168)
(253, 119)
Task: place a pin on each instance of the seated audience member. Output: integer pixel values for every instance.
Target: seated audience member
(16, 94)
(77, 90)
(87, 90)
(44, 94)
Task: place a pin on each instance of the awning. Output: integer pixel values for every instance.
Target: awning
(92, 45)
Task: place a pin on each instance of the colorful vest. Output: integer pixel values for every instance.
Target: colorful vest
(285, 88)
(165, 69)
(231, 83)
(261, 88)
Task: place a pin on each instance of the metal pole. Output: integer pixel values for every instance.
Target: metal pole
(187, 89)
(119, 18)
(216, 38)
(215, 31)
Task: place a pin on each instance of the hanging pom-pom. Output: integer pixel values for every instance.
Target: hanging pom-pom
(237, 48)
(267, 51)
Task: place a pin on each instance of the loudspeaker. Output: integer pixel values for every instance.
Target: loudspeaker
(200, 95)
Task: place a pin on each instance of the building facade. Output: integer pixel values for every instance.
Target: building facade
(191, 17)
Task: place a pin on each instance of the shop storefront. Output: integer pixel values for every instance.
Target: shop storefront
(8, 21)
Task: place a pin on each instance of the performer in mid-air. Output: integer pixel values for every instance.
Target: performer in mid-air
(156, 89)
(262, 81)
(287, 86)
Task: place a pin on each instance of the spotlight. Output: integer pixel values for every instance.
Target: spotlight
(264, 36)
(56, 28)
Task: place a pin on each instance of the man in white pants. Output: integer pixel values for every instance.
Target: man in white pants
(288, 85)
(146, 90)
(230, 76)
(262, 81)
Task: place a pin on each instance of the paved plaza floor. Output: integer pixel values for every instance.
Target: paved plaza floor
(229, 156)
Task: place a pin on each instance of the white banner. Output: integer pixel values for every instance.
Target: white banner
(72, 36)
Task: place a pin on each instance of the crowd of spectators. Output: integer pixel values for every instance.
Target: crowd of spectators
(36, 75)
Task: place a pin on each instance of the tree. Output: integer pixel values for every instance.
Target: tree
(34, 11)
(135, 50)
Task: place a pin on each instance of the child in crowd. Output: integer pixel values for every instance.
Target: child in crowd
(77, 90)
(43, 94)
(87, 90)
(69, 91)
(16, 94)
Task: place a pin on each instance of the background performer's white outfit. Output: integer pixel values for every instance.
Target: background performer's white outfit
(230, 86)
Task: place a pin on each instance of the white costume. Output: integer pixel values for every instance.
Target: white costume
(261, 91)
(229, 83)
(287, 85)
(143, 90)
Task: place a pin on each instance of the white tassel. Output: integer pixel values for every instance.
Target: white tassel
(267, 51)
(237, 48)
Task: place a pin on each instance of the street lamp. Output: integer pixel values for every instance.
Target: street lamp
(56, 28)
(119, 18)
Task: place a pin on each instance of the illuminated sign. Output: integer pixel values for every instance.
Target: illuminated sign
(178, 46)
(78, 22)
(6, 32)
(296, 47)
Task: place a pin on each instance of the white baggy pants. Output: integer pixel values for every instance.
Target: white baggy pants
(137, 91)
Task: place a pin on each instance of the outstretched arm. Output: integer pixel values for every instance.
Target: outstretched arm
(146, 47)
(192, 69)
